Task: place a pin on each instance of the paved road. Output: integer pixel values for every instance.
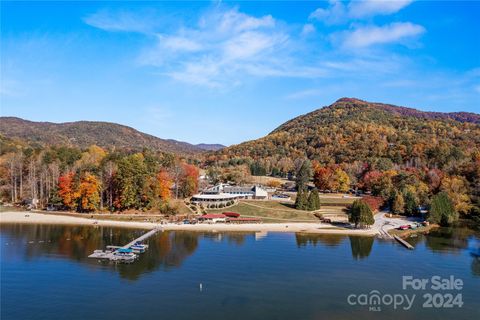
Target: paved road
(383, 224)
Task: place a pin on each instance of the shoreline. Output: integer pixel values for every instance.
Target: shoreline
(31, 217)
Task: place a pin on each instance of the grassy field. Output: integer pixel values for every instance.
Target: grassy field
(268, 212)
(328, 199)
(275, 211)
(264, 180)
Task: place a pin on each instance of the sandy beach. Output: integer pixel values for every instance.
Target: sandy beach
(304, 227)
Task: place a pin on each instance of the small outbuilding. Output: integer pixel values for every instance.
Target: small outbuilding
(213, 218)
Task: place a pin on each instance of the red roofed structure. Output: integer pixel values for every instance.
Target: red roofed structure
(232, 214)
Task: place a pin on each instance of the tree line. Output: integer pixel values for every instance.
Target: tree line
(95, 179)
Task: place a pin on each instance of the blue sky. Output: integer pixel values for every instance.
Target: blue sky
(226, 72)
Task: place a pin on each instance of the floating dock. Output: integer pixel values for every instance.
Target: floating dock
(141, 238)
(126, 257)
(403, 242)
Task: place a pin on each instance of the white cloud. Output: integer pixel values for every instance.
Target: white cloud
(371, 35)
(179, 43)
(368, 8)
(224, 47)
(338, 13)
(250, 44)
(308, 29)
(120, 22)
(235, 21)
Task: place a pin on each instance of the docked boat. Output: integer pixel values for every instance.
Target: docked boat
(124, 255)
(139, 247)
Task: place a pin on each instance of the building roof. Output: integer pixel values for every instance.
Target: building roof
(232, 214)
(260, 192)
(214, 196)
(238, 189)
(212, 216)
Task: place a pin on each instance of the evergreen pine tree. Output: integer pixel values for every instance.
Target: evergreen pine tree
(411, 205)
(360, 214)
(442, 210)
(301, 203)
(304, 175)
(314, 201)
(398, 204)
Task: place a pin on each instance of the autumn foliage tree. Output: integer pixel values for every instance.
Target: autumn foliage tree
(67, 190)
(322, 177)
(165, 184)
(88, 193)
(330, 178)
(189, 180)
(375, 203)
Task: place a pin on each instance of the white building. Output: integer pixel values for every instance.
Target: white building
(223, 193)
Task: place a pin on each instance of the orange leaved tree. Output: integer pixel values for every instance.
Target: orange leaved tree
(67, 190)
(165, 184)
(89, 193)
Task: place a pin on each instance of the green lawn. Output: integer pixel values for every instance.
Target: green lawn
(269, 211)
(326, 200)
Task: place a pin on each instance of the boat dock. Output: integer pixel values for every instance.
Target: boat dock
(124, 253)
(141, 238)
(403, 242)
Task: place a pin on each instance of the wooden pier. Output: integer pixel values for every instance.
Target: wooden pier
(403, 242)
(141, 238)
(110, 254)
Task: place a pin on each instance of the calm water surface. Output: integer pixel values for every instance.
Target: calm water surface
(45, 274)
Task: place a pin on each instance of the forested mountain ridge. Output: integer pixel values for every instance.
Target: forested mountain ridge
(354, 130)
(82, 134)
(210, 146)
(403, 156)
(388, 108)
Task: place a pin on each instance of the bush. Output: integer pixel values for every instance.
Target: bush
(168, 209)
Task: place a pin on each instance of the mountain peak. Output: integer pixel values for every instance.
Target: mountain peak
(410, 112)
(349, 100)
(85, 133)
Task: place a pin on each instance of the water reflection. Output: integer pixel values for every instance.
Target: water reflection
(361, 247)
(476, 266)
(305, 239)
(167, 250)
(452, 240)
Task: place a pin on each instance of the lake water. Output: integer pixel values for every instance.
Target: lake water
(45, 274)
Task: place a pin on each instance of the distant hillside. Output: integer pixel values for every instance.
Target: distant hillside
(85, 133)
(210, 147)
(352, 129)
